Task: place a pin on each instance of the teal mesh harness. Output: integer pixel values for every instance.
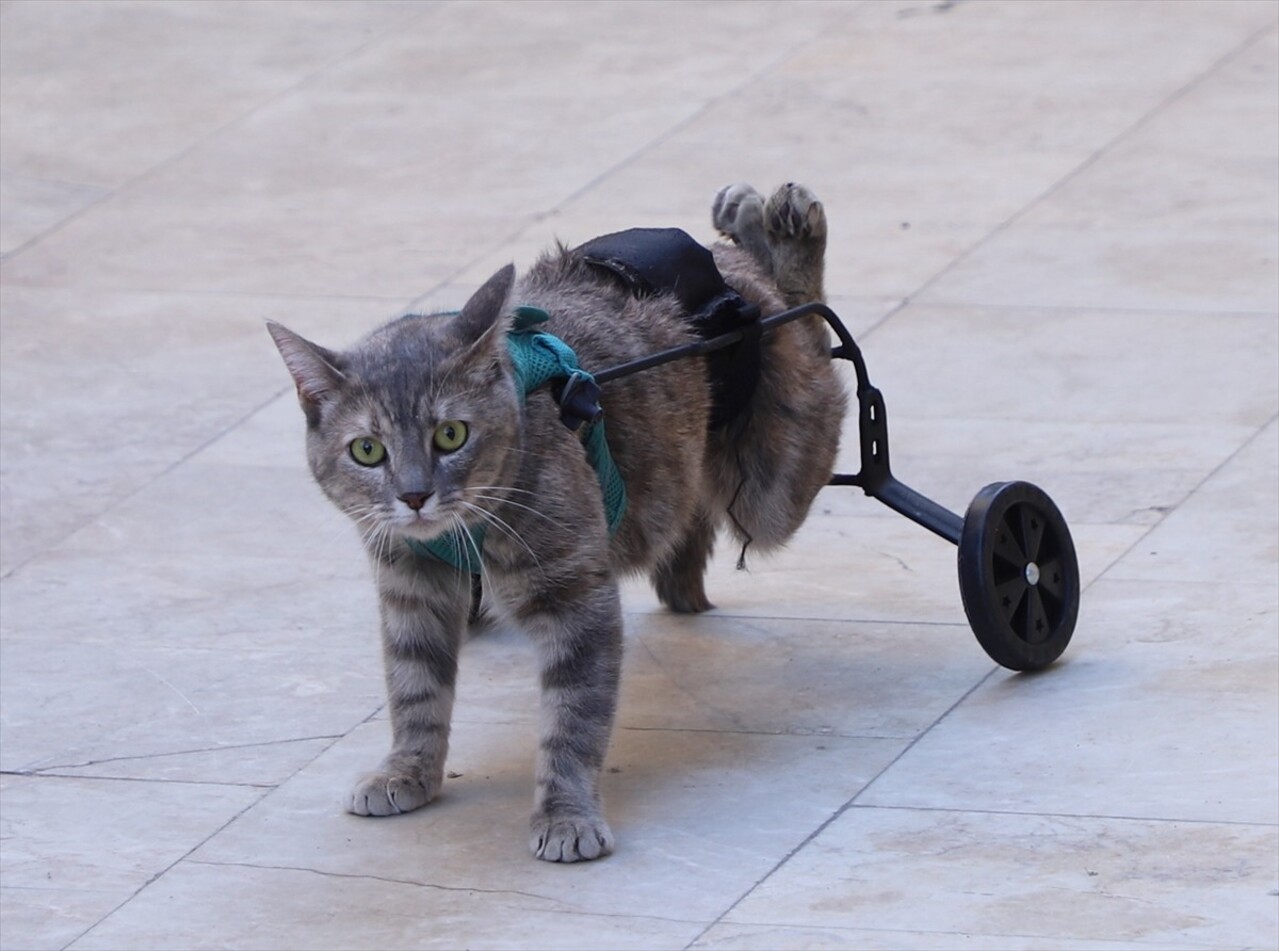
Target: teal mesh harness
(537, 359)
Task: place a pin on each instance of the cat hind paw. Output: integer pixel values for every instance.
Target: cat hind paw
(794, 213)
(737, 210)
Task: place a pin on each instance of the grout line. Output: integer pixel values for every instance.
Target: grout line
(846, 806)
(1162, 820)
(147, 482)
(662, 137)
(853, 802)
(1173, 509)
(266, 794)
(153, 756)
(42, 774)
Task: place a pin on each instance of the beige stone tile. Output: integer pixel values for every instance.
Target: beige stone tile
(1168, 708)
(160, 77)
(1180, 214)
(74, 849)
(382, 179)
(31, 206)
(118, 388)
(1099, 472)
(1027, 880)
(1044, 265)
(700, 817)
(1227, 532)
(918, 155)
(798, 677)
(774, 937)
(288, 908)
(262, 764)
(132, 702)
(871, 570)
(1074, 366)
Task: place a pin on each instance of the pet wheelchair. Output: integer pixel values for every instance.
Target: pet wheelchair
(1018, 572)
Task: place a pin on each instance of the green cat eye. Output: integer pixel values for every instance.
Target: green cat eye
(450, 435)
(368, 451)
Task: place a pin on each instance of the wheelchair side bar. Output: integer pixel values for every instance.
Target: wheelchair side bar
(875, 478)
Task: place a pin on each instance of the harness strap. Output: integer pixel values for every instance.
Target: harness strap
(539, 358)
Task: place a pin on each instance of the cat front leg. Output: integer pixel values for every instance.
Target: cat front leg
(579, 638)
(423, 613)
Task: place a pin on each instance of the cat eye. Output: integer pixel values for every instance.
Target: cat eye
(368, 451)
(450, 435)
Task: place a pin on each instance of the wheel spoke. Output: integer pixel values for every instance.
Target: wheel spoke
(1006, 546)
(1032, 531)
(1037, 625)
(1008, 596)
(1052, 578)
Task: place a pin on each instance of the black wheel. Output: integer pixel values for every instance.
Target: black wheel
(1018, 575)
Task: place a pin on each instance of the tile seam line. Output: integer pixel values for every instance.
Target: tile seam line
(435, 886)
(139, 757)
(148, 482)
(1054, 814)
(151, 171)
(853, 802)
(263, 795)
(91, 777)
(1104, 150)
(1105, 573)
(629, 160)
(835, 816)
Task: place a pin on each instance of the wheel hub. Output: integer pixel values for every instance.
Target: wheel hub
(1032, 573)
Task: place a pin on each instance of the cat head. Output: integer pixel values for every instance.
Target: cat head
(413, 431)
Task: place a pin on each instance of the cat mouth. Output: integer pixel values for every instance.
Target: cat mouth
(423, 526)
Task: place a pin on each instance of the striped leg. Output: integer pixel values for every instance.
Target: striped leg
(422, 621)
(580, 642)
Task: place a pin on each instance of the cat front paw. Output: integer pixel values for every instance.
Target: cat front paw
(390, 794)
(737, 211)
(794, 213)
(570, 838)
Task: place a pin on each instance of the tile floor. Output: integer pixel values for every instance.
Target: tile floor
(1056, 234)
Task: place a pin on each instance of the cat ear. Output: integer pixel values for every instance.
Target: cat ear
(486, 305)
(314, 369)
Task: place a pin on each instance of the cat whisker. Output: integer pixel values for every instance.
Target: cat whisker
(502, 526)
(468, 540)
(518, 505)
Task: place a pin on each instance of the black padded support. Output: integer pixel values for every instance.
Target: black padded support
(652, 261)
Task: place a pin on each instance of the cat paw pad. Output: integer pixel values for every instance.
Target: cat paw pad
(794, 213)
(383, 794)
(575, 839)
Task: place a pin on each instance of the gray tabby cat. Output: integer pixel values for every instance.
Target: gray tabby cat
(418, 431)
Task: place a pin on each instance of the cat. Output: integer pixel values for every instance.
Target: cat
(419, 431)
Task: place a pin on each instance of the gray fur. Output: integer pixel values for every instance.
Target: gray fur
(549, 563)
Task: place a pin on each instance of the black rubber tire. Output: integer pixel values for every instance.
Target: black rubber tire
(1018, 575)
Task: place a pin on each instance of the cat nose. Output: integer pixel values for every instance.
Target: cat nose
(415, 500)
